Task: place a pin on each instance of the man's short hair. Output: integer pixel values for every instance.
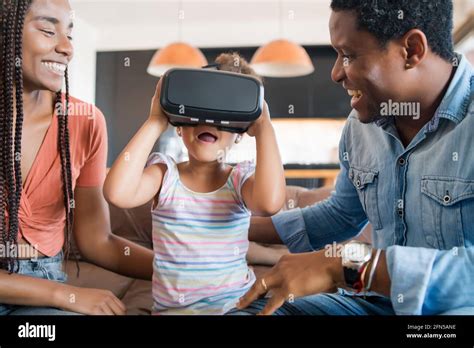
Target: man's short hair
(391, 19)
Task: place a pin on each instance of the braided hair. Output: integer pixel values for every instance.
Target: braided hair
(12, 16)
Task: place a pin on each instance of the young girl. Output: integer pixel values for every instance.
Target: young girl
(202, 207)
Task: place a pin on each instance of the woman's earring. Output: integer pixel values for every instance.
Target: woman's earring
(407, 66)
(178, 131)
(238, 139)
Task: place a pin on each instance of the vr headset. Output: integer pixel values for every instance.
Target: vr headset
(226, 100)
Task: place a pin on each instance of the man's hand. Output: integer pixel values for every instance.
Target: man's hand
(296, 275)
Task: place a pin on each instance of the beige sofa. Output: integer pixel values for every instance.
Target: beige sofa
(135, 225)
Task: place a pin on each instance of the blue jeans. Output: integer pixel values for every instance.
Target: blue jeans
(340, 303)
(47, 268)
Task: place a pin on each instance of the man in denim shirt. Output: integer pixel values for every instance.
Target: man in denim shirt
(407, 167)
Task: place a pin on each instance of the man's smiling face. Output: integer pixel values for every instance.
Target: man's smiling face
(372, 74)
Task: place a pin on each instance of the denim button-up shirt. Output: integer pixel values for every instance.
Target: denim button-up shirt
(419, 200)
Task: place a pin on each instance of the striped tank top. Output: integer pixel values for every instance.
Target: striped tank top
(200, 242)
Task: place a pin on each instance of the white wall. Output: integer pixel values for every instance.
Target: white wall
(466, 45)
(150, 24)
(82, 69)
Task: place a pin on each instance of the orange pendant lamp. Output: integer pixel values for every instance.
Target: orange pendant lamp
(176, 55)
(282, 58)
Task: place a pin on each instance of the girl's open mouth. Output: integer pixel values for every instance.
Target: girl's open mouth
(207, 137)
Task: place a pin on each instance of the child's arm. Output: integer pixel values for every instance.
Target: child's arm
(265, 255)
(128, 184)
(264, 192)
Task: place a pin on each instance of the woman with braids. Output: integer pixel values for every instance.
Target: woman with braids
(52, 168)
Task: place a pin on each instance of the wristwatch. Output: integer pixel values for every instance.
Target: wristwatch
(355, 255)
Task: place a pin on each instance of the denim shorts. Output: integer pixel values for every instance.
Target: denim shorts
(50, 268)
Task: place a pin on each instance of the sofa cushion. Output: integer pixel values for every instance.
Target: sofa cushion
(92, 276)
(133, 224)
(138, 299)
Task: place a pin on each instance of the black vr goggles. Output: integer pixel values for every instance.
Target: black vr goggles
(228, 101)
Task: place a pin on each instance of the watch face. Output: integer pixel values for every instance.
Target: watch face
(356, 252)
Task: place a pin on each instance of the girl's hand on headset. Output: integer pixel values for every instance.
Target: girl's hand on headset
(261, 123)
(156, 113)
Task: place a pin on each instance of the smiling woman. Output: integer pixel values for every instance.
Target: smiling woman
(52, 164)
(32, 72)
